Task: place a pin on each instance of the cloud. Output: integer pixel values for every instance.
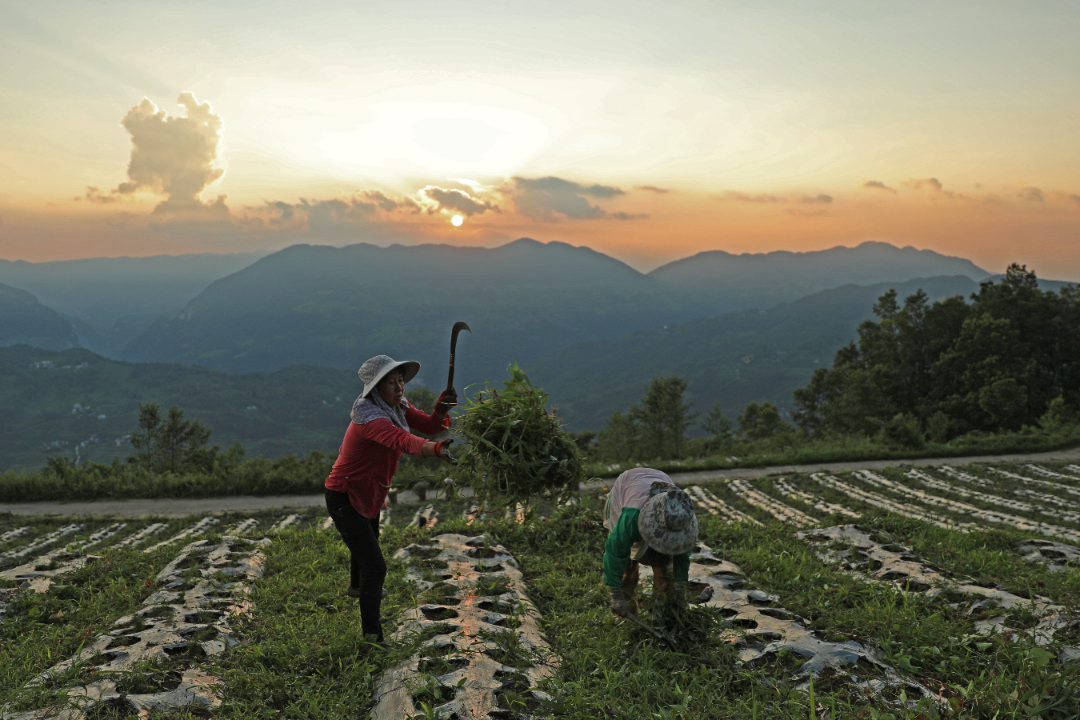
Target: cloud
(95, 195)
(543, 199)
(1032, 194)
(816, 199)
(931, 184)
(768, 198)
(453, 200)
(627, 216)
(387, 204)
(1065, 197)
(652, 189)
(877, 185)
(175, 156)
(747, 197)
(363, 208)
(331, 214)
(934, 187)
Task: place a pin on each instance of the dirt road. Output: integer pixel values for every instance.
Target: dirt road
(167, 507)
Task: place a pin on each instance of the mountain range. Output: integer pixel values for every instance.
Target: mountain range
(110, 300)
(588, 328)
(524, 301)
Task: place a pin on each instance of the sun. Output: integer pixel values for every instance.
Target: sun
(457, 220)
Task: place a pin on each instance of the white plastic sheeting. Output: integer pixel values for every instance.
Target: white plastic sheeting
(1057, 557)
(868, 553)
(780, 511)
(190, 599)
(484, 640)
(822, 506)
(759, 628)
(884, 503)
(715, 506)
(1020, 523)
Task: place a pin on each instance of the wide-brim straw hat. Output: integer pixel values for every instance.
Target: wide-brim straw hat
(667, 522)
(375, 369)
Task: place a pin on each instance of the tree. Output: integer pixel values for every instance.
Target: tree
(422, 398)
(952, 367)
(717, 424)
(760, 422)
(619, 438)
(663, 417)
(172, 444)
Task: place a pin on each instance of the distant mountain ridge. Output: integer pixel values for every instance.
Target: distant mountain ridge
(101, 291)
(24, 320)
(727, 282)
(338, 306)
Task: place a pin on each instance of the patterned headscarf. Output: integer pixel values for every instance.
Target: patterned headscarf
(373, 407)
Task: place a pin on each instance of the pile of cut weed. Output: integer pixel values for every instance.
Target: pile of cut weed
(518, 450)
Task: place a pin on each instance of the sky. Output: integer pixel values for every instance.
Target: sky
(648, 131)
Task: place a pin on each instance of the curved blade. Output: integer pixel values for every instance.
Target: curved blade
(458, 327)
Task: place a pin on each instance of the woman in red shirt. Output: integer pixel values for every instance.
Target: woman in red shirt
(365, 467)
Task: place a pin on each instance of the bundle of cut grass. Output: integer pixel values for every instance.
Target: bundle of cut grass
(686, 629)
(517, 450)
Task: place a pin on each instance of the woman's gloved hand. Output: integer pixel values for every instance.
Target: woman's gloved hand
(439, 449)
(442, 451)
(447, 400)
(619, 604)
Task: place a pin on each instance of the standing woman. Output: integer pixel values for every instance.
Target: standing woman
(365, 467)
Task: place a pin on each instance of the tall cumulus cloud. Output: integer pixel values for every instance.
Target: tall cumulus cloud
(175, 156)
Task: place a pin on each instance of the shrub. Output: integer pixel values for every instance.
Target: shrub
(902, 431)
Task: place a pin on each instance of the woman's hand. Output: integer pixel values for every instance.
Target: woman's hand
(439, 449)
(447, 399)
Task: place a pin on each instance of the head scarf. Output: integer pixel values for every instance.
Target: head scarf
(373, 407)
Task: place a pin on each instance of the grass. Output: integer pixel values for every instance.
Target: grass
(302, 656)
(794, 450)
(290, 475)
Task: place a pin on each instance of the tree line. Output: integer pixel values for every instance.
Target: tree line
(1007, 360)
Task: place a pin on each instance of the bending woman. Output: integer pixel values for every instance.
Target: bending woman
(365, 467)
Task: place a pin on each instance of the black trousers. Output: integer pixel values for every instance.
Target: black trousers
(367, 566)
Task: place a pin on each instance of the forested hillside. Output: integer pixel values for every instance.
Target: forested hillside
(78, 404)
(996, 363)
(737, 358)
(25, 320)
(339, 306)
(524, 300)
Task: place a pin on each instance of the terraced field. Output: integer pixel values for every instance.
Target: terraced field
(943, 592)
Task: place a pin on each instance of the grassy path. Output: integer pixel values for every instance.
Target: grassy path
(171, 507)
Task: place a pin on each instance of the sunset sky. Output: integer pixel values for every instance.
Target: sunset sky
(649, 131)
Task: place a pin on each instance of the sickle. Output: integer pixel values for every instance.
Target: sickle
(458, 327)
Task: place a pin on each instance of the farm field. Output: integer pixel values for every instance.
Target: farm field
(931, 592)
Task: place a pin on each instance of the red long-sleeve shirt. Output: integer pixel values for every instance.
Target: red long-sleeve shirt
(369, 457)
